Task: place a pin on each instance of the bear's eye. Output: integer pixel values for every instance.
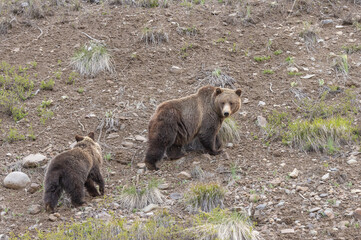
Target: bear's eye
(231, 104)
(222, 103)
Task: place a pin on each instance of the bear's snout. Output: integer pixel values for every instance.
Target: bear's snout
(226, 110)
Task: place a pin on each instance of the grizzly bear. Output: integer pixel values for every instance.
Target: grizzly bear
(177, 122)
(72, 170)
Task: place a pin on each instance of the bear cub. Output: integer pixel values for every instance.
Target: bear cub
(72, 170)
(177, 122)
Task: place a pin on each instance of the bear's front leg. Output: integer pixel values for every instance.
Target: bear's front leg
(209, 143)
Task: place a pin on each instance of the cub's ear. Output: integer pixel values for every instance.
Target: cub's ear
(79, 138)
(239, 92)
(218, 91)
(91, 135)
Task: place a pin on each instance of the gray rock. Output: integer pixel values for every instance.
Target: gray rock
(343, 224)
(52, 218)
(176, 196)
(351, 161)
(184, 175)
(357, 213)
(329, 213)
(280, 204)
(261, 121)
(325, 177)
(34, 209)
(4, 237)
(33, 160)
(315, 209)
(254, 198)
(323, 195)
(294, 173)
(33, 188)
(150, 207)
(113, 135)
(286, 231)
(16, 180)
(127, 144)
(140, 138)
(104, 216)
(261, 206)
(326, 22)
(141, 165)
(276, 182)
(24, 4)
(140, 171)
(163, 186)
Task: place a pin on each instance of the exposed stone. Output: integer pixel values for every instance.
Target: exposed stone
(141, 165)
(16, 180)
(104, 216)
(325, 177)
(254, 198)
(140, 171)
(315, 209)
(357, 213)
(33, 188)
(127, 144)
(4, 237)
(34, 209)
(294, 173)
(329, 213)
(52, 218)
(276, 182)
(289, 230)
(351, 161)
(113, 135)
(163, 186)
(184, 175)
(301, 189)
(176, 196)
(150, 207)
(33, 160)
(343, 224)
(261, 121)
(140, 138)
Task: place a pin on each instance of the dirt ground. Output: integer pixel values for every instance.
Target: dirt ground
(229, 36)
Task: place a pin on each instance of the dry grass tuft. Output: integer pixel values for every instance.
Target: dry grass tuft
(229, 131)
(154, 36)
(91, 59)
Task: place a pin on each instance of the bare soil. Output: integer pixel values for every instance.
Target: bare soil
(145, 76)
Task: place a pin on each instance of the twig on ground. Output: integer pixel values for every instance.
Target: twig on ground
(90, 37)
(82, 126)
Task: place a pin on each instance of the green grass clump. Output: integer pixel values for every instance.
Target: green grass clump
(320, 135)
(217, 78)
(15, 87)
(225, 225)
(277, 52)
(91, 59)
(14, 135)
(138, 197)
(205, 196)
(153, 36)
(261, 58)
(229, 131)
(276, 125)
(268, 71)
(340, 64)
(49, 85)
(351, 49)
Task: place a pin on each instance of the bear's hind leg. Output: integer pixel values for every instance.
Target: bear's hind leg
(174, 152)
(97, 177)
(51, 195)
(90, 187)
(75, 188)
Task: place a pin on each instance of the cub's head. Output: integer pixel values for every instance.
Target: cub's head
(227, 101)
(90, 143)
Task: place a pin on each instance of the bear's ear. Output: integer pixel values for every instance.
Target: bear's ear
(239, 92)
(79, 138)
(91, 135)
(218, 91)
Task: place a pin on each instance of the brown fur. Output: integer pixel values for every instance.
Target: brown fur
(72, 170)
(177, 122)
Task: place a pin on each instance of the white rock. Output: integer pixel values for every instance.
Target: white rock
(330, 213)
(184, 175)
(3, 237)
(308, 76)
(261, 121)
(292, 69)
(326, 176)
(113, 135)
(16, 180)
(261, 103)
(163, 186)
(315, 209)
(34, 209)
(294, 173)
(127, 144)
(289, 230)
(141, 165)
(245, 101)
(351, 161)
(33, 160)
(150, 207)
(140, 138)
